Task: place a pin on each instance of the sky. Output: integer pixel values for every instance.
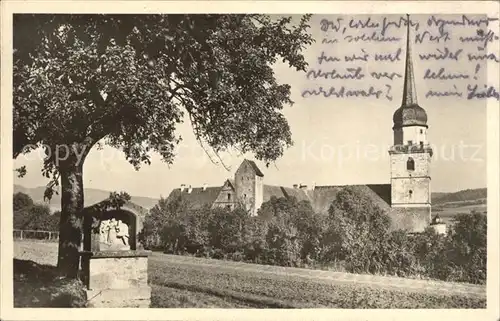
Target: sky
(337, 141)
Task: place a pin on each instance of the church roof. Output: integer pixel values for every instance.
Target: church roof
(197, 197)
(280, 191)
(321, 197)
(410, 113)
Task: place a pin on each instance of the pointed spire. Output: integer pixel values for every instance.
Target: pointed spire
(409, 89)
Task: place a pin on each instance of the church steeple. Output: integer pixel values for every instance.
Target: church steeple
(409, 89)
(410, 113)
(410, 156)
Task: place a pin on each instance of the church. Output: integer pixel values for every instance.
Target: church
(407, 199)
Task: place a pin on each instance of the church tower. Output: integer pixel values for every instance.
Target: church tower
(410, 156)
(249, 186)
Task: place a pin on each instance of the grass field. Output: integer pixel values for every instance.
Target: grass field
(449, 211)
(179, 281)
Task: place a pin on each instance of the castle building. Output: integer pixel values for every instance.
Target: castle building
(407, 199)
(247, 188)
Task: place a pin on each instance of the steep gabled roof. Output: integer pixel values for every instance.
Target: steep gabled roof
(299, 194)
(322, 196)
(280, 191)
(287, 192)
(198, 197)
(258, 172)
(231, 182)
(270, 191)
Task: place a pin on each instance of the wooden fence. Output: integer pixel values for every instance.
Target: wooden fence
(36, 235)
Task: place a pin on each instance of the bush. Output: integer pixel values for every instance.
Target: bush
(236, 256)
(22, 201)
(430, 250)
(353, 237)
(468, 248)
(217, 254)
(31, 216)
(459, 256)
(358, 228)
(283, 242)
(397, 256)
(160, 228)
(255, 245)
(226, 228)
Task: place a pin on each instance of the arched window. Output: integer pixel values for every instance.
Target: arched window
(410, 193)
(229, 196)
(410, 164)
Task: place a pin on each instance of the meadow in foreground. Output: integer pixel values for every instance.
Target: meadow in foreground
(189, 283)
(264, 290)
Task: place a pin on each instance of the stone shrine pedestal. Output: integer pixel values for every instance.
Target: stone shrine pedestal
(116, 278)
(113, 269)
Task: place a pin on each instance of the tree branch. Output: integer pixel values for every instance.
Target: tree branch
(222, 162)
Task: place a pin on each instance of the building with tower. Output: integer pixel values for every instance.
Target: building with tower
(410, 155)
(407, 199)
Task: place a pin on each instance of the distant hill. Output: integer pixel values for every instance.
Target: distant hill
(460, 196)
(91, 195)
(449, 205)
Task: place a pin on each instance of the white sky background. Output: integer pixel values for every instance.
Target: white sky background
(323, 126)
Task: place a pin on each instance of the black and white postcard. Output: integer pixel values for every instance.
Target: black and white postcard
(250, 160)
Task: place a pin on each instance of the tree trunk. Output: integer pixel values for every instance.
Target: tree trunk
(71, 222)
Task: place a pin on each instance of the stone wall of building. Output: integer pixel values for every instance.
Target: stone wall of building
(226, 198)
(248, 187)
(415, 134)
(412, 219)
(399, 162)
(259, 193)
(410, 186)
(410, 191)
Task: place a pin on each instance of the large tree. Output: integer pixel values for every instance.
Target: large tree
(128, 80)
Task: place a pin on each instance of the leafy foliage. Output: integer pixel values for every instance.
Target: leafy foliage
(396, 256)
(284, 233)
(353, 237)
(31, 216)
(294, 230)
(255, 246)
(226, 228)
(22, 200)
(460, 255)
(129, 79)
(356, 231)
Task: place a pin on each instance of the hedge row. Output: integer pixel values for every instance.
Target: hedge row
(354, 236)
